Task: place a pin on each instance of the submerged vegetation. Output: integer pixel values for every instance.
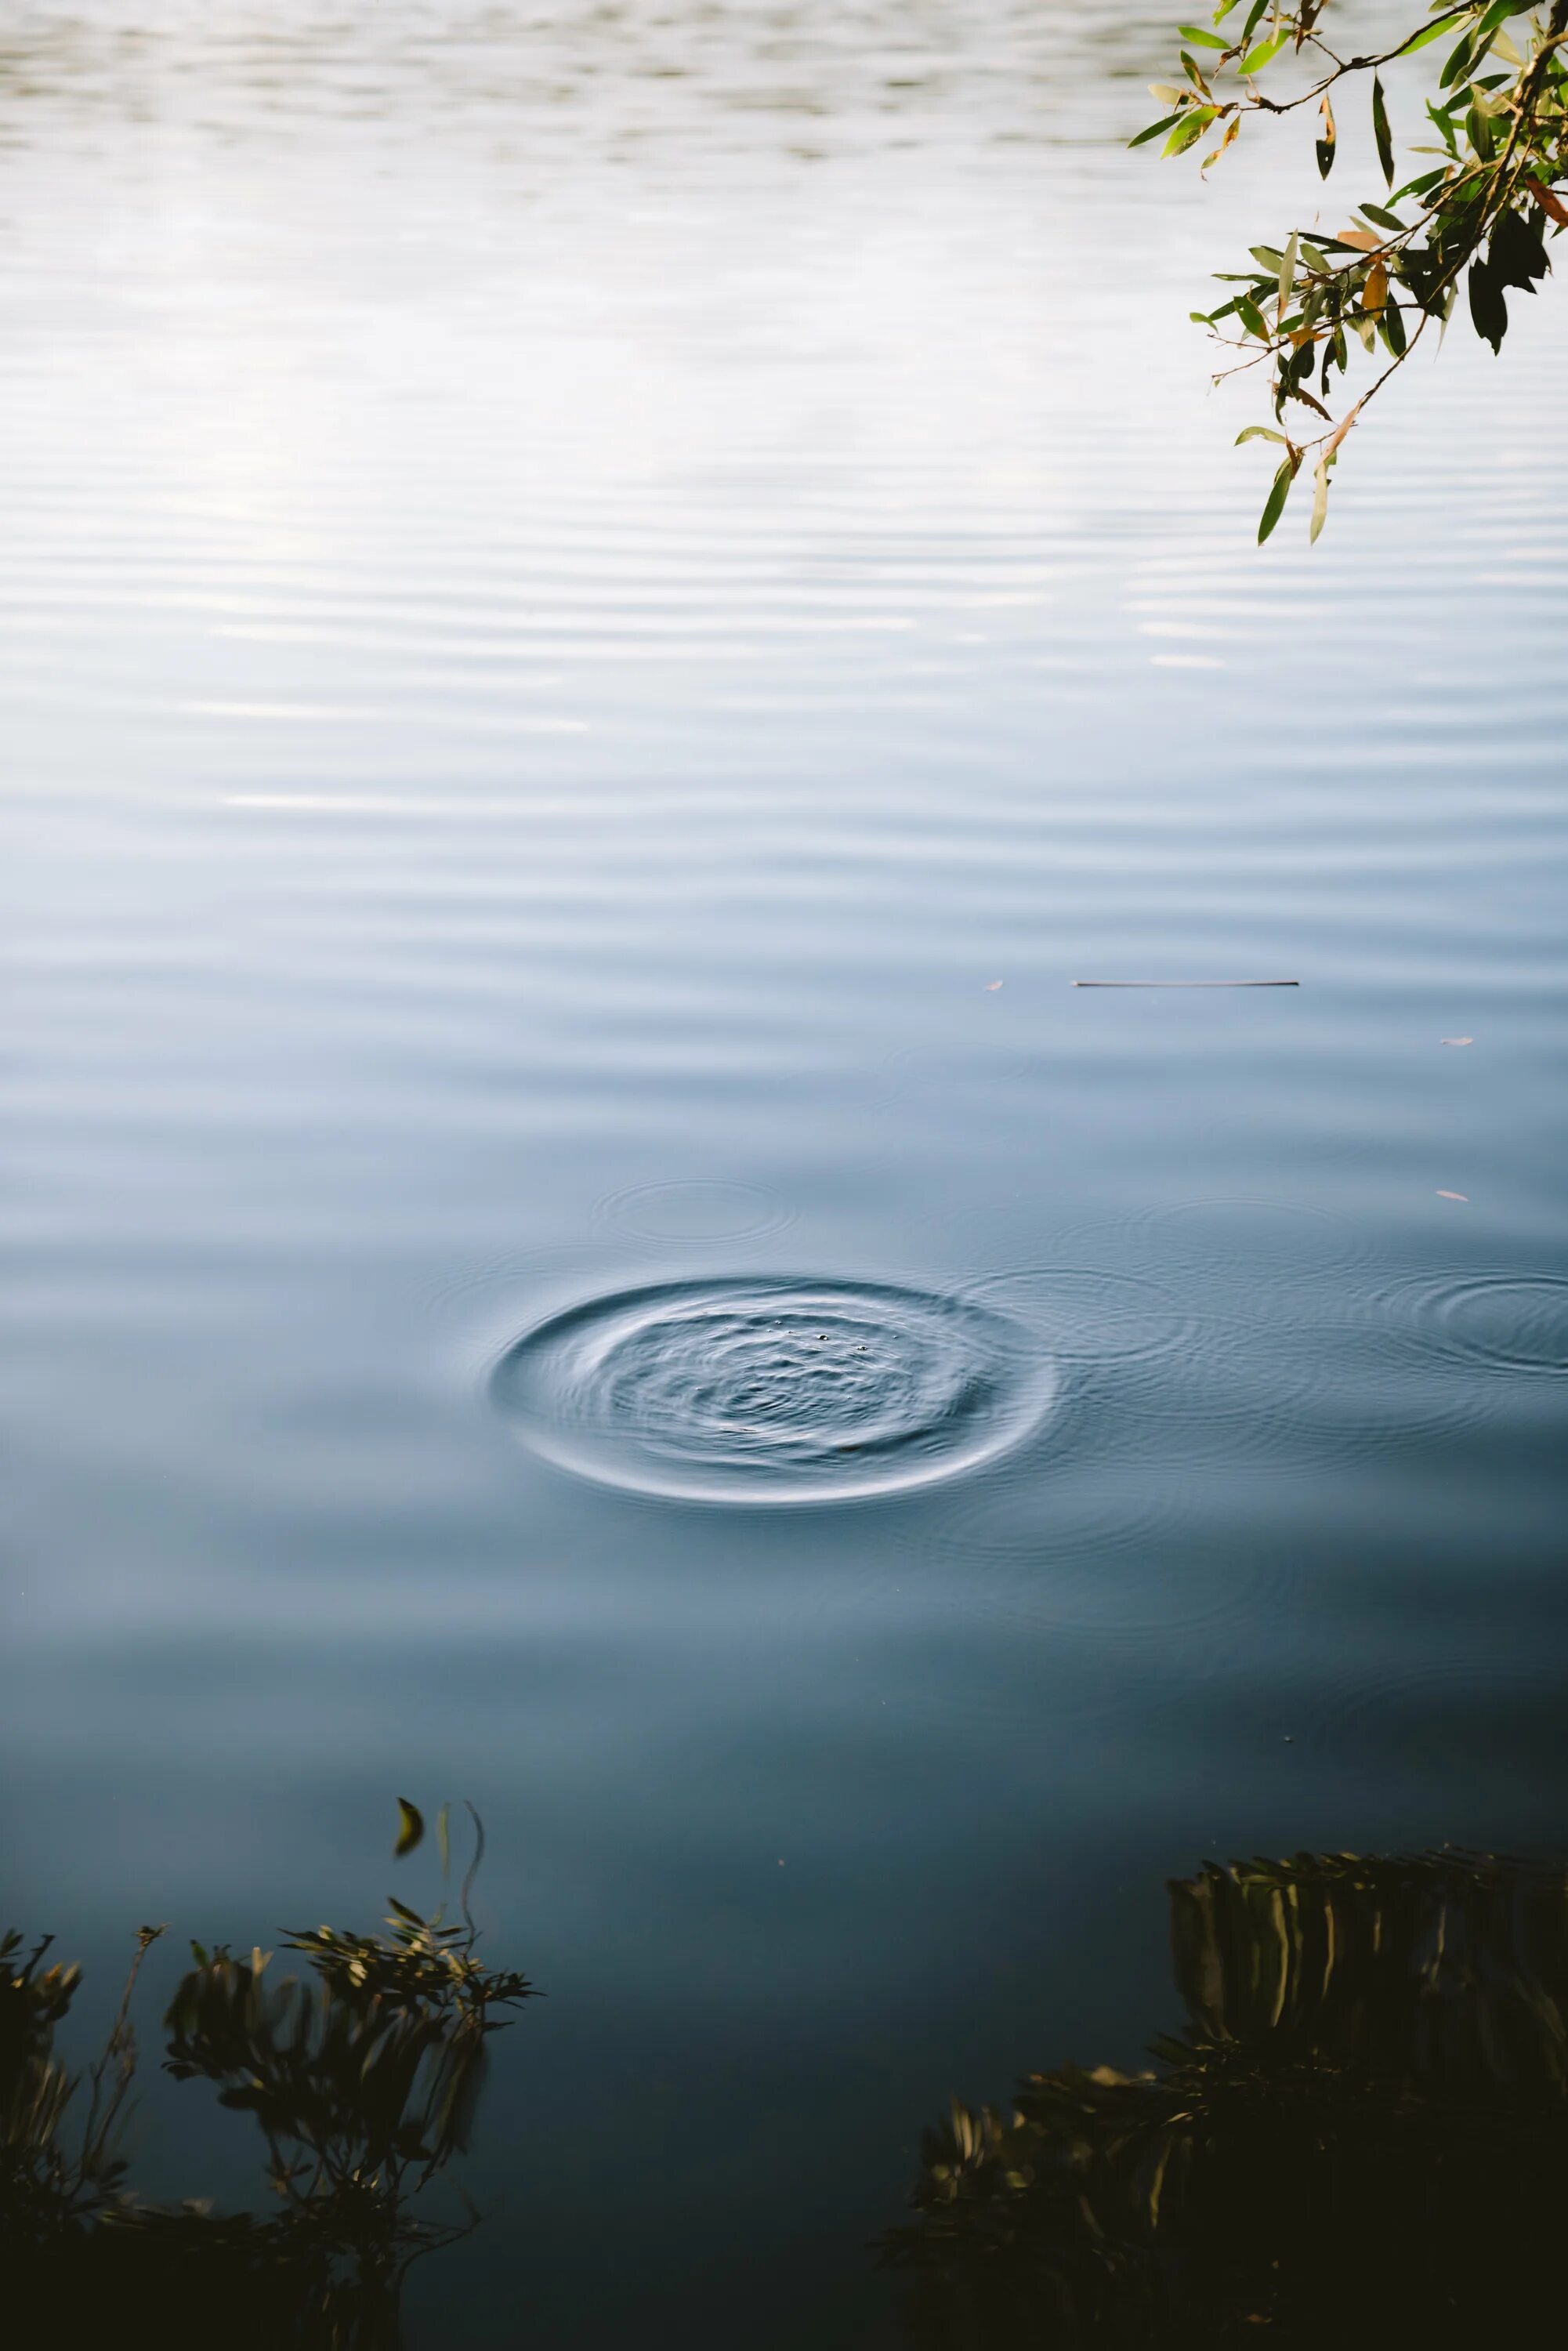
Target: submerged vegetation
(1478, 217)
(363, 2080)
(1359, 2136)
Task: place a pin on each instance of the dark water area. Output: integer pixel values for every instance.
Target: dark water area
(601, 612)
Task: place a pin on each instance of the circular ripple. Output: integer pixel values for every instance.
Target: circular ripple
(1261, 1250)
(773, 1391)
(1083, 1315)
(1501, 1322)
(699, 1210)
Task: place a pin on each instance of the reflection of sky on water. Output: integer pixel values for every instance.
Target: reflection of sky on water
(561, 626)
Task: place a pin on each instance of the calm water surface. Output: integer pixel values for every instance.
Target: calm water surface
(602, 609)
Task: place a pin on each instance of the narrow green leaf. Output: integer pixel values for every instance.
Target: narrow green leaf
(1433, 32)
(1264, 54)
(1153, 131)
(1260, 432)
(1455, 68)
(1252, 318)
(1190, 128)
(1383, 217)
(410, 1828)
(1275, 505)
(1205, 40)
(1288, 268)
(1381, 131)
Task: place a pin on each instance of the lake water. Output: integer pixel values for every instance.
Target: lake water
(603, 608)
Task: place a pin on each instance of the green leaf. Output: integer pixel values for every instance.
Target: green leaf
(1381, 131)
(1319, 500)
(1288, 269)
(444, 1837)
(1190, 128)
(1205, 40)
(1383, 217)
(1153, 131)
(1260, 432)
(1463, 54)
(1252, 318)
(410, 1828)
(1264, 54)
(1433, 32)
(1275, 505)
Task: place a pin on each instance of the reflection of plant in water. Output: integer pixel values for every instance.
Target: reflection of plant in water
(41, 2182)
(364, 2084)
(1361, 2132)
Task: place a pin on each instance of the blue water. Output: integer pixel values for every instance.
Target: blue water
(602, 612)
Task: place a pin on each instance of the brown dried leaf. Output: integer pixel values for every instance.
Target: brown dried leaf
(1547, 201)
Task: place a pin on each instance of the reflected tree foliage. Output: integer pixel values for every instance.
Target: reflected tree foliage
(363, 2078)
(1360, 2133)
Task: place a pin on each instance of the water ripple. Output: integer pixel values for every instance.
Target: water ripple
(698, 1208)
(1496, 1322)
(773, 1390)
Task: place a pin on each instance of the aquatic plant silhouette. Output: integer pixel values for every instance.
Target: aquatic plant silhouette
(1359, 2136)
(365, 2084)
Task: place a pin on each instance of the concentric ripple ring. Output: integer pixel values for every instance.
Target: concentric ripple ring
(773, 1390)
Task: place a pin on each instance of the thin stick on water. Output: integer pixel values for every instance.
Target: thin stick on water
(1186, 983)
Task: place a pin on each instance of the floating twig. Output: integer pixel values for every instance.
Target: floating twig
(1186, 983)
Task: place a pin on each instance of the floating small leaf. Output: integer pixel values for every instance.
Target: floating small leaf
(410, 1828)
